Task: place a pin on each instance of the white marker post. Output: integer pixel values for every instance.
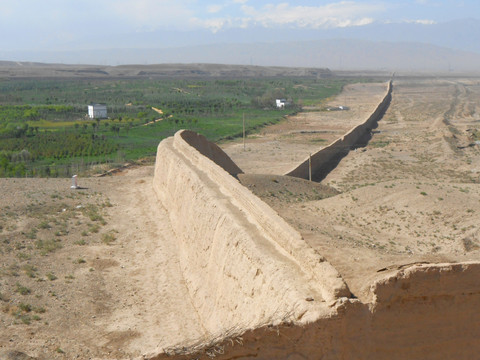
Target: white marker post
(310, 167)
(74, 182)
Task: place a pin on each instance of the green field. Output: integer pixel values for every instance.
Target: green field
(44, 130)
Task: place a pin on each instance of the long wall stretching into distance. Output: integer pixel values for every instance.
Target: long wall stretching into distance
(261, 292)
(326, 158)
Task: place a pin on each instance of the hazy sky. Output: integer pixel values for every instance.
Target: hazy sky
(54, 24)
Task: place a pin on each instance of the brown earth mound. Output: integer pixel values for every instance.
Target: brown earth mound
(285, 189)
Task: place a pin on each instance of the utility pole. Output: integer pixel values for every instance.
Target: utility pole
(243, 131)
(310, 167)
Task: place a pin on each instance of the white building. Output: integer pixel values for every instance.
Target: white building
(97, 111)
(281, 103)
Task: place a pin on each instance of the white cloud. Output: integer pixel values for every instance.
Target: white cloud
(214, 25)
(437, 3)
(340, 14)
(418, 21)
(128, 15)
(421, 21)
(337, 14)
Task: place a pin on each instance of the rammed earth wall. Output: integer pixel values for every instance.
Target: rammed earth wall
(243, 264)
(261, 292)
(326, 158)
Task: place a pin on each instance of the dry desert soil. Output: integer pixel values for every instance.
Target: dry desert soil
(93, 272)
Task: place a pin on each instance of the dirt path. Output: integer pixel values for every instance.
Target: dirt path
(155, 304)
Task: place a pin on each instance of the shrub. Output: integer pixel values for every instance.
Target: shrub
(51, 276)
(44, 225)
(48, 246)
(25, 307)
(22, 290)
(108, 238)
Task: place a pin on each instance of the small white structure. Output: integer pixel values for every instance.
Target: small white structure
(338, 108)
(281, 103)
(97, 111)
(74, 182)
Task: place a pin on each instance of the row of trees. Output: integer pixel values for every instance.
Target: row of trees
(20, 113)
(23, 169)
(56, 145)
(16, 130)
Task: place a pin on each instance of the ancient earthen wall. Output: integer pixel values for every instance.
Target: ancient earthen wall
(262, 293)
(242, 263)
(357, 136)
(420, 312)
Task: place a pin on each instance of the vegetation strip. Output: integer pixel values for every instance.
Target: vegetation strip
(45, 131)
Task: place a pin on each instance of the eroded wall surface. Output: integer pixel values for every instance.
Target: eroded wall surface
(243, 264)
(421, 312)
(261, 292)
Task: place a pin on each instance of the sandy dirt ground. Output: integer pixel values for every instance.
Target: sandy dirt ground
(84, 271)
(410, 195)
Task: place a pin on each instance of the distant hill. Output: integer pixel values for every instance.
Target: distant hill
(30, 69)
(338, 54)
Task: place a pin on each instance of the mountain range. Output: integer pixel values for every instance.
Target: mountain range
(444, 47)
